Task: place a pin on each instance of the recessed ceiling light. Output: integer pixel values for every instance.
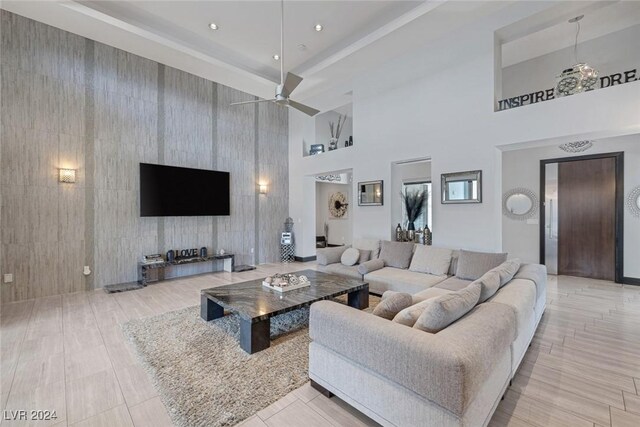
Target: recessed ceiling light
(276, 57)
(213, 26)
(318, 27)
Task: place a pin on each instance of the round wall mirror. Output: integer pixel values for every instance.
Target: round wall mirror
(633, 202)
(519, 203)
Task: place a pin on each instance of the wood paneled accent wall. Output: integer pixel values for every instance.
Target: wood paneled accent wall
(71, 102)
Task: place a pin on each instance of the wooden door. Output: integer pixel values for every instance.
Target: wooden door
(587, 218)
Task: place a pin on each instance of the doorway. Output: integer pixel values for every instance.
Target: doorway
(581, 227)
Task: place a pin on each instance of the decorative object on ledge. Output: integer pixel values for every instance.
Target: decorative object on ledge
(414, 204)
(316, 148)
(428, 236)
(286, 282)
(519, 204)
(338, 205)
(579, 78)
(461, 187)
(576, 147)
(335, 131)
(633, 202)
(371, 193)
(330, 178)
(67, 176)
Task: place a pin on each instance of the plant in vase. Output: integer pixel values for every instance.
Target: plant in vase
(414, 204)
(336, 131)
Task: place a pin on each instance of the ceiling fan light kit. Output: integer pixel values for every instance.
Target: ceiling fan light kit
(287, 83)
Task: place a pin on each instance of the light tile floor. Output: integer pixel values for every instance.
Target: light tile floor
(67, 353)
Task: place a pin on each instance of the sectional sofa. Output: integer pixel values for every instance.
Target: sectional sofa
(403, 376)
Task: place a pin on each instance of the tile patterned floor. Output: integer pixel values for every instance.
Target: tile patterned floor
(67, 353)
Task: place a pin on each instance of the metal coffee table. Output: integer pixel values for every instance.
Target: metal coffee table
(256, 304)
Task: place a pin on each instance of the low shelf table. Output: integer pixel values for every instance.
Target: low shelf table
(143, 268)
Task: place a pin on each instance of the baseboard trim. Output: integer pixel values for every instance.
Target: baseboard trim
(305, 259)
(631, 281)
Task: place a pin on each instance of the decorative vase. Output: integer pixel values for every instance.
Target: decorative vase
(411, 234)
(398, 233)
(427, 236)
(350, 141)
(333, 144)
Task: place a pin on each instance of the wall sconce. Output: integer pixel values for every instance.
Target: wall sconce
(67, 176)
(263, 188)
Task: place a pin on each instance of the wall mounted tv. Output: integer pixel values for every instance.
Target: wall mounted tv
(174, 191)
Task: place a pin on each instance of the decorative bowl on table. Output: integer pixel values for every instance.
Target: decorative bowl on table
(286, 282)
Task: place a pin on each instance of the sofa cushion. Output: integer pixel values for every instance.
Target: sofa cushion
(372, 245)
(350, 257)
(427, 259)
(520, 295)
(365, 255)
(392, 304)
(453, 284)
(442, 311)
(453, 267)
(507, 270)
(490, 283)
(429, 293)
(409, 315)
(396, 254)
(371, 265)
(396, 279)
(341, 269)
(326, 256)
(472, 265)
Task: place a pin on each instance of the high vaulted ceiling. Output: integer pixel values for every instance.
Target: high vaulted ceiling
(358, 36)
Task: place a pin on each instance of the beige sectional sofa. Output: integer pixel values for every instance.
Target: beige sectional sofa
(403, 376)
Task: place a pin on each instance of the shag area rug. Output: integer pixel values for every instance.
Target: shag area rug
(205, 378)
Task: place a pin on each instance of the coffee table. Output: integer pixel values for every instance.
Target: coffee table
(256, 304)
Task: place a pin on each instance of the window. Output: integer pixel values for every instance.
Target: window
(425, 218)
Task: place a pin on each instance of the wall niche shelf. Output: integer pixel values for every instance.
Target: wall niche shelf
(323, 133)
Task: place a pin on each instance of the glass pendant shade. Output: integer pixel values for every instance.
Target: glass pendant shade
(579, 78)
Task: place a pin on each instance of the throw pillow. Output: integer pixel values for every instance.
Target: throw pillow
(372, 245)
(392, 305)
(396, 254)
(507, 270)
(472, 265)
(365, 255)
(490, 283)
(430, 260)
(350, 257)
(369, 266)
(442, 311)
(409, 315)
(326, 256)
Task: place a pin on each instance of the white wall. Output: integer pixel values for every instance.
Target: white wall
(521, 168)
(340, 229)
(438, 102)
(323, 134)
(406, 172)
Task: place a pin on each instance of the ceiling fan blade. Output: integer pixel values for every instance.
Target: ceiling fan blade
(252, 102)
(307, 110)
(291, 81)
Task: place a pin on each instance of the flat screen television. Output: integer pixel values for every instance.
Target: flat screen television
(175, 191)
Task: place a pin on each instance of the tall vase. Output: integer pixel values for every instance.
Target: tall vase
(333, 144)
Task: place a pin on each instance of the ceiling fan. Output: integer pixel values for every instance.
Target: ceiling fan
(288, 83)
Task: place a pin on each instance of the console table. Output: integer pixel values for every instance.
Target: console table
(143, 269)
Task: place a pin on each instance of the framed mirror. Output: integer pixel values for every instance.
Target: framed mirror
(519, 204)
(633, 202)
(462, 187)
(370, 193)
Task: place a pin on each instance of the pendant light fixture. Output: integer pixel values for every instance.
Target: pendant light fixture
(579, 78)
